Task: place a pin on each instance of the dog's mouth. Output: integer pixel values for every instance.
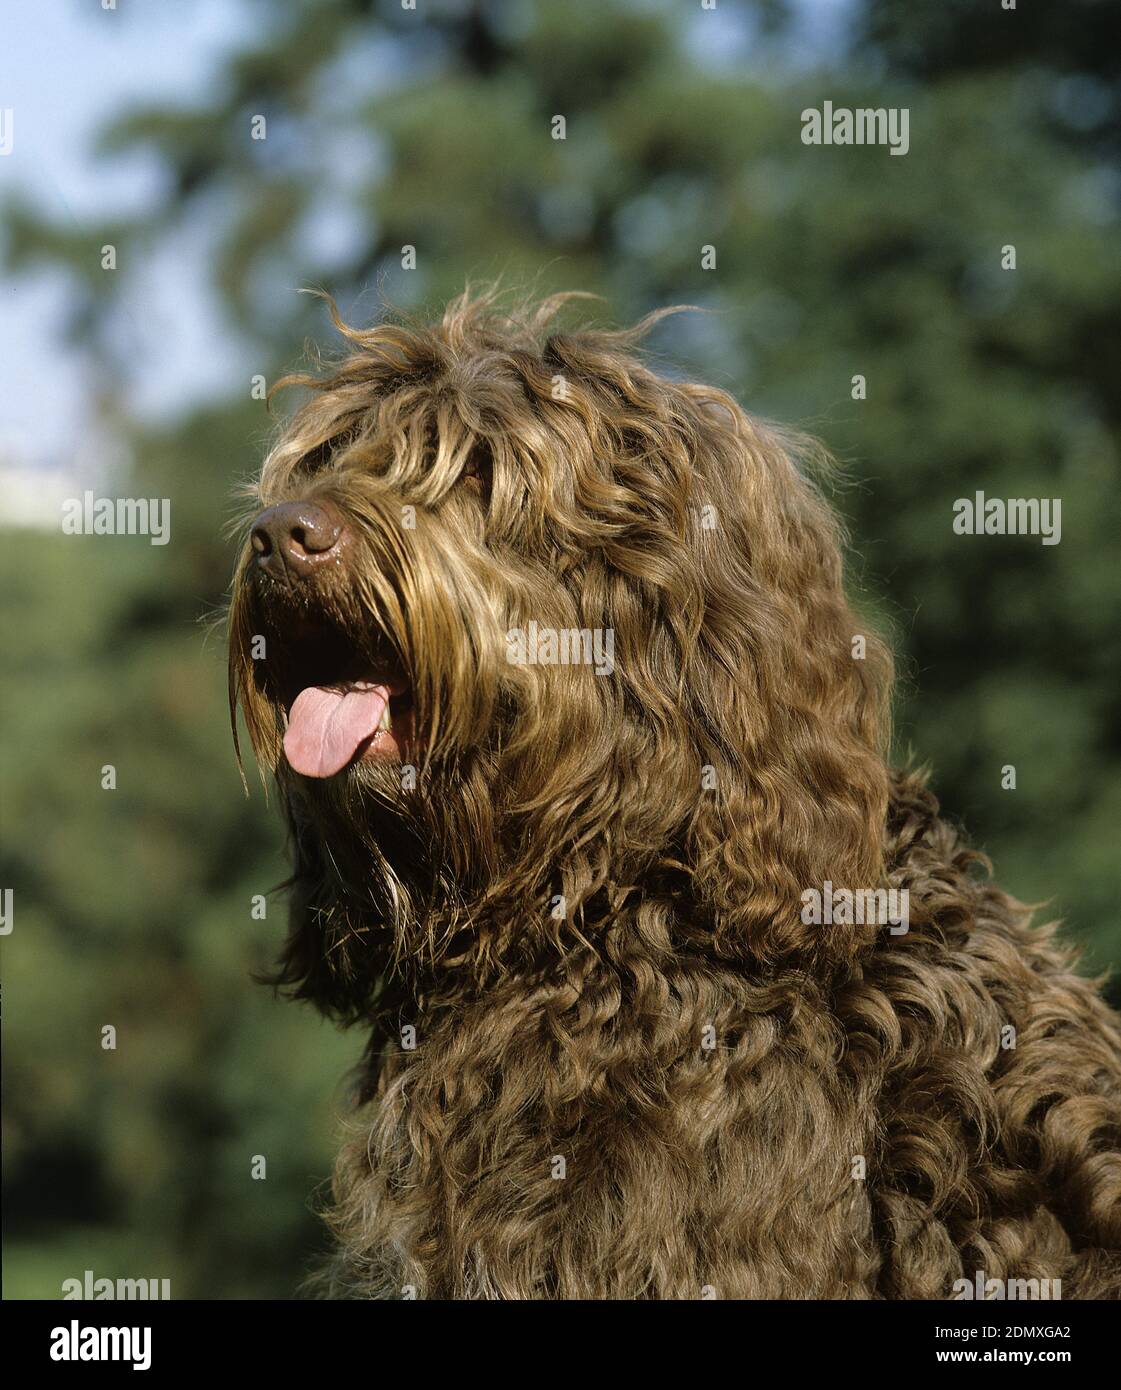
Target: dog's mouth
(342, 710)
(329, 727)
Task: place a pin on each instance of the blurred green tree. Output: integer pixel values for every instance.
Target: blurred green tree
(434, 131)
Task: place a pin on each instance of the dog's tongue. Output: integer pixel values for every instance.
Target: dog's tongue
(326, 726)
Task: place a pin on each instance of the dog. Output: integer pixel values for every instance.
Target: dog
(616, 1051)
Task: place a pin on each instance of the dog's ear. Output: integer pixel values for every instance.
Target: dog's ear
(788, 692)
(741, 736)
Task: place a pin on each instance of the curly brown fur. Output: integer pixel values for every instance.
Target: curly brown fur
(589, 905)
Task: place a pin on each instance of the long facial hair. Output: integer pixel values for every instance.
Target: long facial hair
(732, 759)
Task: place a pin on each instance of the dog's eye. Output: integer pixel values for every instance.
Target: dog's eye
(317, 460)
(476, 473)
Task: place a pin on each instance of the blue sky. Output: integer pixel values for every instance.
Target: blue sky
(65, 67)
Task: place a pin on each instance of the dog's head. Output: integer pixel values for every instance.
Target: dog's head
(529, 636)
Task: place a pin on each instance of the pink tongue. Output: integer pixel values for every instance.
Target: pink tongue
(326, 726)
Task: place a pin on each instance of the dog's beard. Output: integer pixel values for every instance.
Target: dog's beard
(408, 861)
(488, 814)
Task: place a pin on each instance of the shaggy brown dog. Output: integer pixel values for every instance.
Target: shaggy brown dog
(611, 1056)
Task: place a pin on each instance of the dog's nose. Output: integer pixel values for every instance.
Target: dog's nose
(296, 537)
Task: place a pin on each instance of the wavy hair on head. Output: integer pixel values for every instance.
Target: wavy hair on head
(735, 756)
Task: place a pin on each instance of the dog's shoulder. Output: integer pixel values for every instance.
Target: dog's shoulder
(997, 1074)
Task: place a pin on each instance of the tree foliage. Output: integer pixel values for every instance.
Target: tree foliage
(433, 129)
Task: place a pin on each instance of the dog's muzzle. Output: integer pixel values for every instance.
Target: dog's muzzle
(342, 703)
